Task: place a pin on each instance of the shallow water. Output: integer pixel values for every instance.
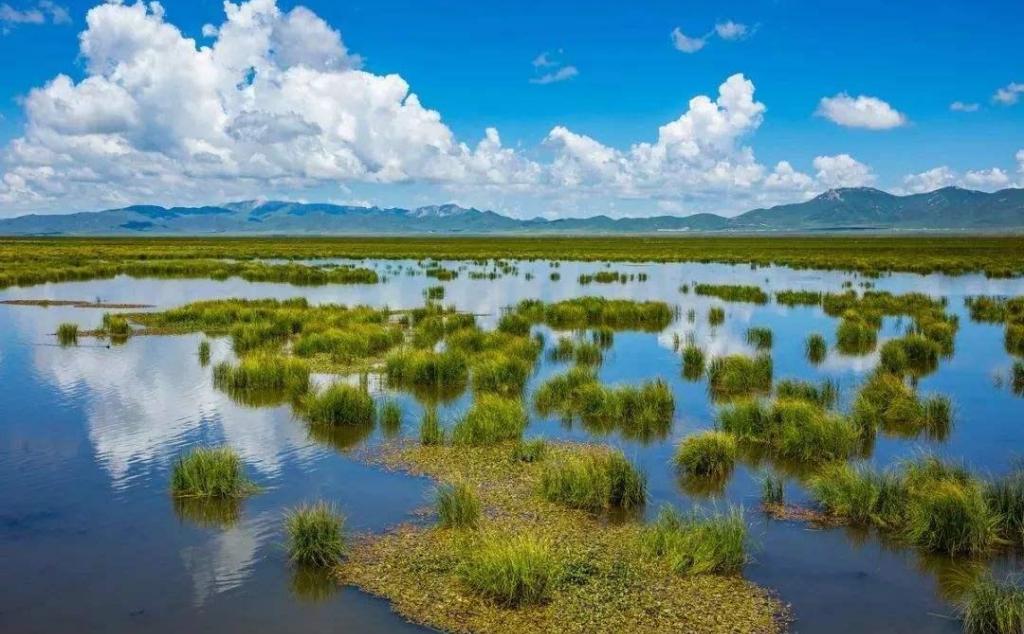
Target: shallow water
(90, 540)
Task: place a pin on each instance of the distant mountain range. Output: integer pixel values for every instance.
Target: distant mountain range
(847, 209)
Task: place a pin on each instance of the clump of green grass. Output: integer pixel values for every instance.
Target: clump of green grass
(856, 334)
(215, 472)
(815, 348)
(1005, 498)
(642, 411)
(434, 292)
(760, 338)
(738, 375)
(500, 373)
(991, 607)
(693, 362)
(340, 404)
(707, 454)
(587, 354)
(67, 334)
(316, 535)
(510, 570)
(116, 326)
(792, 429)
(457, 506)
(514, 324)
(798, 298)
(533, 450)
(491, 419)
(856, 495)
(824, 394)
(693, 545)
(716, 316)
(431, 431)
(564, 349)
(263, 371)
(204, 353)
(581, 313)
(426, 368)
(885, 401)
(603, 336)
(772, 488)
(1013, 338)
(594, 481)
(912, 354)
(732, 292)
(389, 415)
(1017, 378)
(932, 504)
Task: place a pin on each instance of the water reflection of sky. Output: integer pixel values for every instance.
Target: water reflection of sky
(89, 434)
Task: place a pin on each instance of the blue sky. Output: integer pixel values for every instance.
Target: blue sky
(474, 64)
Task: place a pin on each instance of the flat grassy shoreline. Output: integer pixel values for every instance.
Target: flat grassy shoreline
(606, 585)
(995, 256)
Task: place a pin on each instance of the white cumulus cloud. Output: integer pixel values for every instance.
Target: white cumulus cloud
(842, 170)
(860, 112)
(42, 12)
(277, 100)
(272, 102)
(993, 178)
(730, 30)
(685, 43)
(960, 106)
(1008, 94)
(929, 180)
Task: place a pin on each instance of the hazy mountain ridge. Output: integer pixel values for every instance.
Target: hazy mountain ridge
(950, 208)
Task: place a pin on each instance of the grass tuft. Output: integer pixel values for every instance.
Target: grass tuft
(510, 570)
(760, 338)
(457, 506)
(991, 607)
(594, 481)
(316, 535)
(815, 348)
(210, 472)
(431, 431)
(708, 454)
(738, 375)
(340, 404)
(693, 545)
(491, 419)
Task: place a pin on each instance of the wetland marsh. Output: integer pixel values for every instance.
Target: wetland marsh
(616, 442)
